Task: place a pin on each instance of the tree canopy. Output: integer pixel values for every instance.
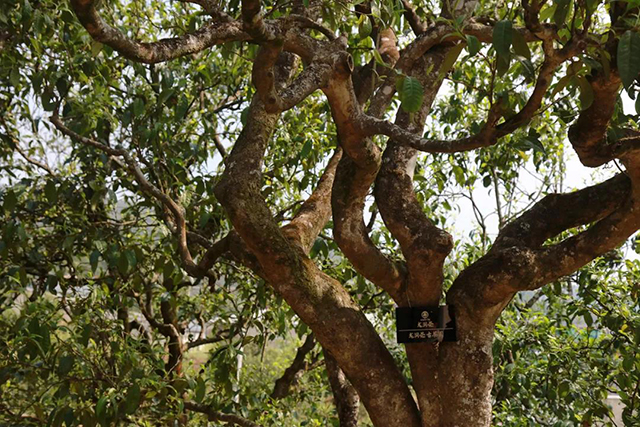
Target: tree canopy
(210, 210)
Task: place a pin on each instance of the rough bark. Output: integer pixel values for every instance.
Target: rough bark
(320, 301)
(452, 380)
(345, 396)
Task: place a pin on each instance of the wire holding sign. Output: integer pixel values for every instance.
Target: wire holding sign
(425, 324)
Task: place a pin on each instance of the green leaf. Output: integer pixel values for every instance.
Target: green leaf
(14, 77)
(412, 95)
(101, 407)
(123, 263)
(377, 57)
(629, 57)
(138, 107)
(93, 260)
(200, 390)
(244, 115)
(562, 83)
(586, 93)
(50, 192)
(520, 46)
(96, 48)
(458, 172)
(473, 45)
(204, 219)
(531, 142)
(399, 84)
(561, 12)
(306, 149)
(503, 63)
(69, 417)
(132, 399)
(182, 107)
(65, 364)
(364, 27)
(85, 335)
(9, 201)
(548, 12)
(450, 59)
(132, 261)
(502, 37)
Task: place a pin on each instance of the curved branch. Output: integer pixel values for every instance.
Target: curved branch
(588, 134)
(356, 172)
(316, 210)
(320, 301)
(351, 234)
(519, 261)
(313, 77)
(410, 14)
(212, 34)
(293, 371)
(558, 212)
(254, 23)
(492, 131)
(214, 415)
(147, 187)
(345, 398)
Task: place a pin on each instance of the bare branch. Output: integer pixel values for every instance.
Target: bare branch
(410, 14)
(312, 294)
(351, 234)
(314, 76)
(214, 415)
(316, 210)
(558, 212)
(220, 336)
(491, 131)
(588, 134)
(254, 23)
(346, 399)
(306, 22)
(356, 172)
(292, 373)
(33, 161)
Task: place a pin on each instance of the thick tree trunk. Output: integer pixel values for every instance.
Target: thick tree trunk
(466, 376)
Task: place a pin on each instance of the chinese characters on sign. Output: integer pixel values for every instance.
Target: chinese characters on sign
(425, 324)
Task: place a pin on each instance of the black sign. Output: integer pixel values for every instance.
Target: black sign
(425, 324)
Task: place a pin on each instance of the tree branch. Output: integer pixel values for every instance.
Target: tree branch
(316, 210)
(558, 212)
(35, 162)
(293, 372)
(253, 22)
(491, 131)
(214, 415)
(214, 33)
(356, 172)
(345, 398)
(314, 296)
(410, 14)
(314, 76)
(147, 187)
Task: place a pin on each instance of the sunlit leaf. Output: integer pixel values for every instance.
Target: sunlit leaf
(412, 95)
(502, 37)
(628, 57)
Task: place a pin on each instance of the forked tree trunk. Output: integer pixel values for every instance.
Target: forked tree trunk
(451, 381)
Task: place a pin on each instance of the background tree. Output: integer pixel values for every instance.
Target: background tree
(185, 183)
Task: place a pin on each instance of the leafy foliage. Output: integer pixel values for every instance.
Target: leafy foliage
(87, 264)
